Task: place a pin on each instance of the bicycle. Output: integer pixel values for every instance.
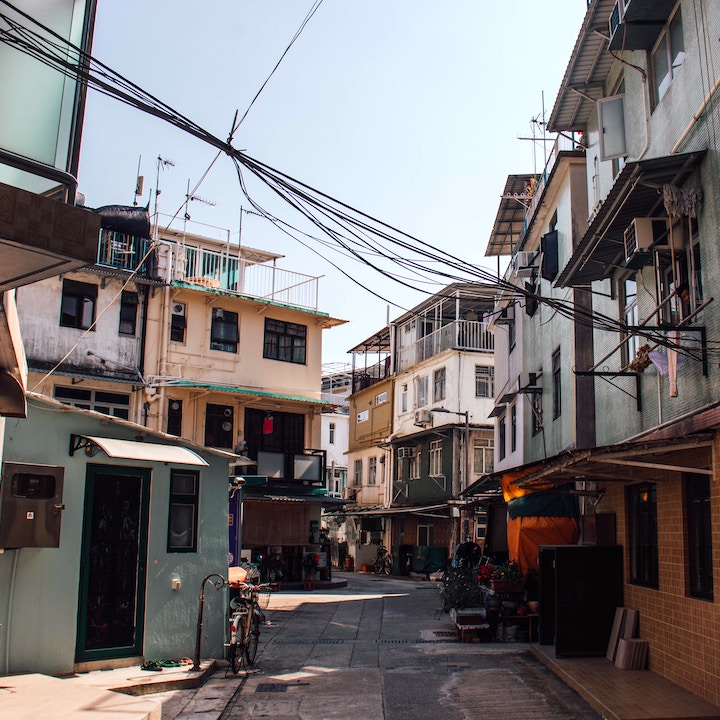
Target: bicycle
(245, 618)
(383, 561)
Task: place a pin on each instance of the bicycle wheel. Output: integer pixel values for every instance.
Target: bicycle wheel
(252, 640)
(378, 566)
(387, 565)
(234, 657)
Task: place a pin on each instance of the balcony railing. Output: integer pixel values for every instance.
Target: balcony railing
(458, 335)
(127, 252)
(215, 269)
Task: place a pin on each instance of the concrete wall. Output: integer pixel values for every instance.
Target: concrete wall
(39, 586)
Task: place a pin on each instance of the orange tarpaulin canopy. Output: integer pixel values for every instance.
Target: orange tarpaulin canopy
(526, 534)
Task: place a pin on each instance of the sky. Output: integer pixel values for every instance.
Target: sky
(414, 112)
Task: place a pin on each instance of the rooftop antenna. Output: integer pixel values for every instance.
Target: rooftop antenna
(162, 164)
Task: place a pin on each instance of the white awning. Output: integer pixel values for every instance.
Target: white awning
(149, 452)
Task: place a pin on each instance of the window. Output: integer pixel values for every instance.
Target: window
(628, 303)
(183, 512)
(611, 118)
(680, 283)
(643, 534)
(421, 391)
(219, 426)
(618, 163)
(128, 312)
(484, 381)
(536, 407)
(331, 430)
(77, 308)
(404, 398)
(667, 56)
(174, 417)
(224, 331)
(436, 458)
(108, 403)
(557, 385)
(414, 467)
(513, 427)
(357, 478)
(425, 536)
(699, 536)
(483, 462)
(178, 322)
(372, 471)
(285, 341)
(511, 335)
(439, 384)
(502, 437)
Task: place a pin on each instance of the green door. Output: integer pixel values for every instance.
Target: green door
(113, 563)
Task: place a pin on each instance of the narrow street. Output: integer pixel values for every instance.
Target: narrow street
(378, 649)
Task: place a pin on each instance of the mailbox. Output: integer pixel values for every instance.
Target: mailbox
(31, 505)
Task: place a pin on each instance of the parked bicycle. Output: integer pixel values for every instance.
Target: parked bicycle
(245, 619)
(383, 561)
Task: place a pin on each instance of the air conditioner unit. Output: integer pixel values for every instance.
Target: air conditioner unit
(642, 234)
(527, 380)
(423, 417)
(524, 263)
(506, 315)
(178, 309)
(409, 451)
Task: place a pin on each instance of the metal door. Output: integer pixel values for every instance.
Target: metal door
(113, 563)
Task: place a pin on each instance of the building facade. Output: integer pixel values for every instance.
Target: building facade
(630, 412)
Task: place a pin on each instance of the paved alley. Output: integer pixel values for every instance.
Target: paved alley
(377, 649)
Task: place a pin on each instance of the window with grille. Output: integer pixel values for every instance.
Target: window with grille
(372, 471)
(483, 456)
(643, 534)
(484, 381)
(107, 403)
(285, 341)
(439, 384)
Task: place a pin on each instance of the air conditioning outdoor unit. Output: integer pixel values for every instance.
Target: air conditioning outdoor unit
(423, 417)
(642, 234)
(527, 379)
(524, 263)
(409, 451)
(506, 316)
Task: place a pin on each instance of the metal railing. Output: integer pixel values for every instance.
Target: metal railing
(457, 335)
(127, 252)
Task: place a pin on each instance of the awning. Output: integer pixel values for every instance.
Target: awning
(418, 510)
(12, 396)
(637, 192)
(629, 461)
(132, 450)
(509, 222)
(325, 500)
(244, 391)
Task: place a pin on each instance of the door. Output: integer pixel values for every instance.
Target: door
(113, 563)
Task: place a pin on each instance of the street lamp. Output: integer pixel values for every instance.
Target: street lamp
(466, 453)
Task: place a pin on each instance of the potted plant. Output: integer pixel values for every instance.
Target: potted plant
(507, 578)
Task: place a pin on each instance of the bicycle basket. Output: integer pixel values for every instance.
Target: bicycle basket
(263, 598)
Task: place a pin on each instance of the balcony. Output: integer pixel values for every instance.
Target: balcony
(461, 335)
(227, 272)
(126, 252)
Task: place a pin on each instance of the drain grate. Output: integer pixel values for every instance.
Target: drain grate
(271, 688)
(444, 633)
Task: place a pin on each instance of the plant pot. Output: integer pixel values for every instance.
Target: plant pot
(506, 587)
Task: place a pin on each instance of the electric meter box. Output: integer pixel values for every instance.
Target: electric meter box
(31, 505)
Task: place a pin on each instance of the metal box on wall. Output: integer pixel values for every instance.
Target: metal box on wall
(31, 505)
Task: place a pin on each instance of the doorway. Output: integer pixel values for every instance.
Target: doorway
(113, 563)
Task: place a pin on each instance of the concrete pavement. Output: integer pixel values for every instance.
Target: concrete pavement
(379, 648)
